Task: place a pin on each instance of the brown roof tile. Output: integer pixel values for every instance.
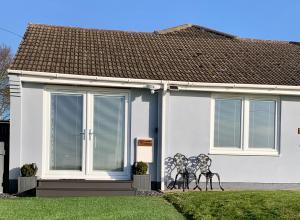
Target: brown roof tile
(184, 53)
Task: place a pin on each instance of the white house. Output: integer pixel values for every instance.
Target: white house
(81, 97)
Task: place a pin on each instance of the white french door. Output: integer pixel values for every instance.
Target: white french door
(88, 135)
(107, 129)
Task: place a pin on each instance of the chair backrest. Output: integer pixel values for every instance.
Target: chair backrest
(169, 164)
(193, 164)
(204, 163)
(180, 162)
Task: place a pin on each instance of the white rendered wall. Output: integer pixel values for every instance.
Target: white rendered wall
(189, 133)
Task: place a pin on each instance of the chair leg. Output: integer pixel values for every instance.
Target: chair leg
(174, 181)
(196, 181)
(206, 183)
(218, 176)
(183, 181)
(187, 180)
(169, 185)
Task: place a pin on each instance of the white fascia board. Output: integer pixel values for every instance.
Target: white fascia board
(226, 89)
(82, 82)
(42, 75)
(59, 78)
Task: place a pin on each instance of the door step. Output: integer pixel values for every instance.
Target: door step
(57, 188)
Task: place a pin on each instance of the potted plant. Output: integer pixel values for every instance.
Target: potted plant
(28, 180)
(141, 180)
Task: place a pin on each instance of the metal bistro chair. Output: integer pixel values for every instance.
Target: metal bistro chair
(192, 169)
(181, 163)
(204, 167)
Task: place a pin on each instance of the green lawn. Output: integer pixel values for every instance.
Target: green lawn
(194, 205)
(88, 208)
(238, 204)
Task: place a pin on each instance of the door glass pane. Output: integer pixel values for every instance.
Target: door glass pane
(66, 125)
(262, 124)
(109, 128)
(227, 127)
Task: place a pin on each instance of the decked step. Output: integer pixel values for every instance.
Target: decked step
(56, 188)
(44, 192)
(86, 184)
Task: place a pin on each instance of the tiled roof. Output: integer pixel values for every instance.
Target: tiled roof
(185, 53)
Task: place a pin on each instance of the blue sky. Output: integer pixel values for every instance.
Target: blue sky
(263, 19)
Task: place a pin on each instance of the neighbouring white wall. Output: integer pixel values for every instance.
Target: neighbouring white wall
(26, 139)
(189, 133)
(15, 126)
(26, 128)
(32, 124)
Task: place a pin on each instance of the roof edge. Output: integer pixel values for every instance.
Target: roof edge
(34, 25)
(20, 44)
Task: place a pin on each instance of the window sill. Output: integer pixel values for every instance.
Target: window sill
(255, 152)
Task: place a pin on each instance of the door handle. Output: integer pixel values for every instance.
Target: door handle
(83, 134)
(90, 134)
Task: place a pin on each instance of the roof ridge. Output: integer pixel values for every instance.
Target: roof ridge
(294, 43)
(185, 26)
(172, 29)
(215, 31)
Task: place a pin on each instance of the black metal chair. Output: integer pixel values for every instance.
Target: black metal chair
(169, 168)
(204, 167)
(192, 169)
(181, 163)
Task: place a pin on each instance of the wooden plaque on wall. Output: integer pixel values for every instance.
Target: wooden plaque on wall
(144, 150)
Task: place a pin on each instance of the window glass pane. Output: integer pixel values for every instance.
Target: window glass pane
(227, 127)
(109, 128)
(262, 124)
(66, 125)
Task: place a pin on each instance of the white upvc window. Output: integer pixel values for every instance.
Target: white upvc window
(244, 125)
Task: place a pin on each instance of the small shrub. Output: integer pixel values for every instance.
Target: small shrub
(28, 170)
(140, 168)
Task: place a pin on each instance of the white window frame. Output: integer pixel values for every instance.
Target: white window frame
(85, 173)
(244, 147)
(47, 139)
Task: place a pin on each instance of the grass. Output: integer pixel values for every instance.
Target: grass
(238, 204)
(193, 205)
(137, 207)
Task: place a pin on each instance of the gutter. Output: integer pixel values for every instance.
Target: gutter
(59, 78)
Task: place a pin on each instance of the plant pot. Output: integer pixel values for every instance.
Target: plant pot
(26, 183)
(142, 182)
